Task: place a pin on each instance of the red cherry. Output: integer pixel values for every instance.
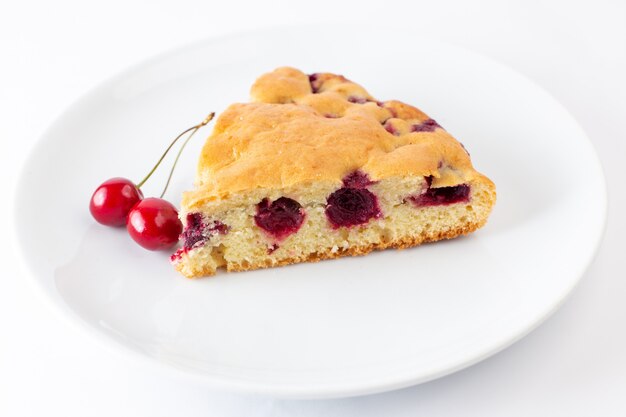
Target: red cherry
(154, 224)
(112, 201)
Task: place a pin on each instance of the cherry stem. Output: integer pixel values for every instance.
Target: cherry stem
(194, 129)
(182, 147)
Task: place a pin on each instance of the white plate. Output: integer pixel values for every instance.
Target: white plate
(336, 328)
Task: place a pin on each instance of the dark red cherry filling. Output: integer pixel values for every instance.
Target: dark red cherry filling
(357, 100)
(389, 127)
(315, 82)
(196, 232)
(279, 218)
(357, 179)
(193, 231)
(351, 206)
(426, 126)
(441, 196)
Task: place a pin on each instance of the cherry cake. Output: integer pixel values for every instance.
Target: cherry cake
(316, 168)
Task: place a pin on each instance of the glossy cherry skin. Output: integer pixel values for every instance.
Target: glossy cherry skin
(153, 223)
(112, 201)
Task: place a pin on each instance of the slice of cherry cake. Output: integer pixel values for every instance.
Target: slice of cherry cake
(316, 168)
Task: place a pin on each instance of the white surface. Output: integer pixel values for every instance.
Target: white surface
(573, 364)
(329, 329)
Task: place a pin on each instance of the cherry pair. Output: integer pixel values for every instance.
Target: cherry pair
(152, 222)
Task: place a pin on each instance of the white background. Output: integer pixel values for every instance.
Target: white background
(574, 364)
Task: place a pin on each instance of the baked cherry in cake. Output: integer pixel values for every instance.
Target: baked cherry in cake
(279, 218)
(351, 206)
(314, 167)
(442, 196)
(357, 179)
(428, 125)
(197, 232)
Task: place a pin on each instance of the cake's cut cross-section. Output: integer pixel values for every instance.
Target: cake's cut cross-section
(314, 167)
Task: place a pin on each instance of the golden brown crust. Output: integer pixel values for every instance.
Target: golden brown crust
(300, 130)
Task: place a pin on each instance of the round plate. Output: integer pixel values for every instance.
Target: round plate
(336, 328)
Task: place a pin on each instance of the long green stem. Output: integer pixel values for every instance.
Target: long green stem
(194, 129)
